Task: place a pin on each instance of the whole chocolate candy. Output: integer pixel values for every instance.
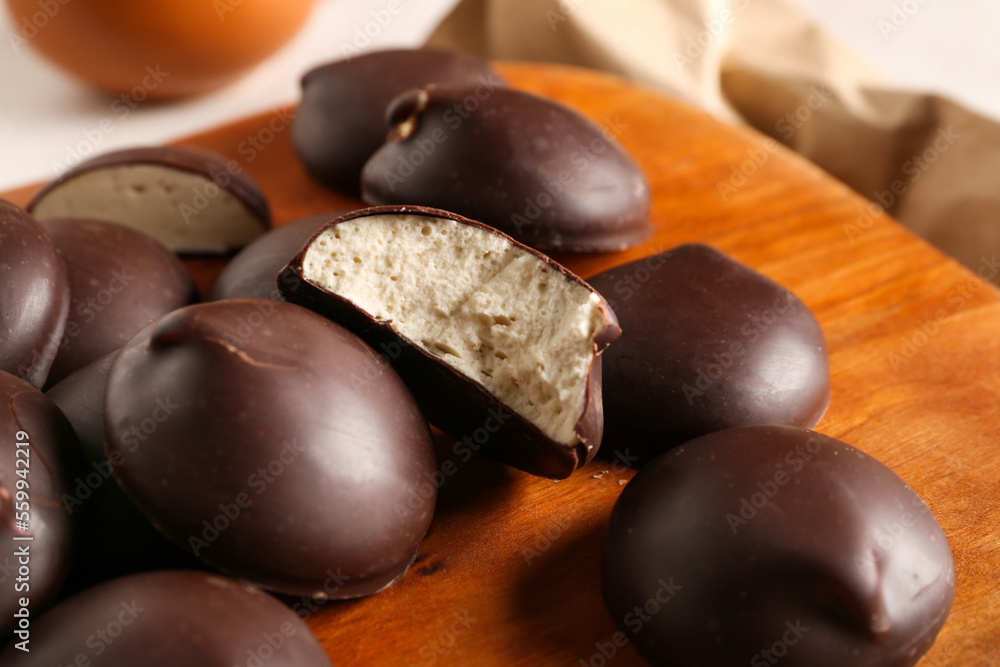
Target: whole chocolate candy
(37, 460)
(272, 444)
(188, 199)
(341, 120)
(531, 167)
(763, 544)
(116, 538)
(252, 272)
(170, 618)
(34, 296)
(498, 342)
(120, 281)
(708, 344)
(80, 397)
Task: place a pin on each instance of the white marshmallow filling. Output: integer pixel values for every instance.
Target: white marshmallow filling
(180, 209)
(489, 309)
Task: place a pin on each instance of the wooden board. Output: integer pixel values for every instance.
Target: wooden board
(509, 572)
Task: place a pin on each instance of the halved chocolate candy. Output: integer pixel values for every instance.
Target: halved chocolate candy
(490, 335)
(341, 120)
(529, 166)
(34, 296)
(763, 545)
(188, 199)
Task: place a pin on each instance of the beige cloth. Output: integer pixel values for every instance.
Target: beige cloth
(929, 162)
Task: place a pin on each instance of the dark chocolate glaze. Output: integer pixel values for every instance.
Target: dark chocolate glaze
(116, 538)
(341, 120)
(529, 166)
(80, 396)
(274, 445)
(708, 344)
(34, 296)
(167, 619)
(452, 401)
(251, 272)
(51, 462)
(225, 173)
(774, 544)
(120, 281)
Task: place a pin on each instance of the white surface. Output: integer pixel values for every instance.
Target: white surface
(949, 47)
(945, 46)
(46, 116)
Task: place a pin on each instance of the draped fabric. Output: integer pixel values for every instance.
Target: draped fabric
(928, 161)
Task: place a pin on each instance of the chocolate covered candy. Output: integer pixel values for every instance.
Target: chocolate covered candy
(34, 296)
(708, 344)
(80, 397)
(341, 119)
(37, 460)
(120, 281)
(170, 618)
(531, 167)
(188, 199)
(116, 538)
(251, 273)
(763, 544)
(491, 336)
(272, 444)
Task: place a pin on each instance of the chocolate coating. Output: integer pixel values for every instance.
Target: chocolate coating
(80, 397)
(531, 167)
(272, 444)
(341, 120)
(182, 158)
(120, 281)
(34, 296)
(251, 273)
(166, 619)
(116, 538)
(762, 543)
(46, 464)
(708, 344)
(452, 401)
(196, 201)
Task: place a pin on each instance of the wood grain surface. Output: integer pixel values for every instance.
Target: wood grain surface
(509, 574)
